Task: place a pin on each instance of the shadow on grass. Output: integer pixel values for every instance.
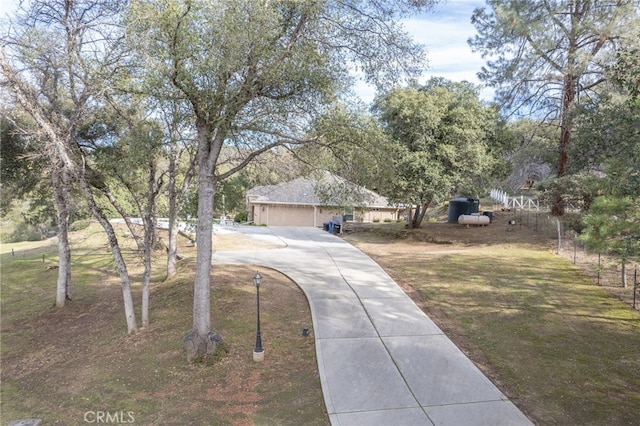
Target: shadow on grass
(60, 364)
(560, 347)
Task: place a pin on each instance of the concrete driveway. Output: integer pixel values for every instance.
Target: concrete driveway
(381, 360)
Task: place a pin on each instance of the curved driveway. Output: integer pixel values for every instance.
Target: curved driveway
(381, 360)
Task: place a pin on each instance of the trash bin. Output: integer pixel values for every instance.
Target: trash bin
(489, 214)
(325, 226)
(336, 228)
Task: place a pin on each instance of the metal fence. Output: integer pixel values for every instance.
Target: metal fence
(605, 271)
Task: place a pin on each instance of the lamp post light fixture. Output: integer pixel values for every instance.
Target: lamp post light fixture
(258, 352)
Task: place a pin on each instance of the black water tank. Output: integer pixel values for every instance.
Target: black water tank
(462, 205)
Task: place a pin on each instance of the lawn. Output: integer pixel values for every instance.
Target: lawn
(66, 366)
(561, 348)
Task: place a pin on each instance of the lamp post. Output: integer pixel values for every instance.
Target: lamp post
(258, 352)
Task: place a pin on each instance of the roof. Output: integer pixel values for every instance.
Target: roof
(328, 190)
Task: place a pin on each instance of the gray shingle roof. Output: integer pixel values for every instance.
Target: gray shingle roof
(328, 190)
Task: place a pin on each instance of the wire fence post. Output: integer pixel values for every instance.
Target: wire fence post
(635, 285)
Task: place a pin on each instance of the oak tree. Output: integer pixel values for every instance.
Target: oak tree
(55, 60)
(447, 142)
(254, 74)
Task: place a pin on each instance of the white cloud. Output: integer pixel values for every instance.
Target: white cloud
(444, 32)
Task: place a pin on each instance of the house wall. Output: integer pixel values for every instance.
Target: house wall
(378, 215)
(295, 215)
(291, 215)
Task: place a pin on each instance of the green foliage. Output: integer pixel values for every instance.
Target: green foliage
(447, 141)
(79, 225)
(573, 222)
(626, 71)
(241, 217)
(534, 49)
(350, 145)
(577, 190)
(608, 142)
(20, 169)
(230, 195)
(609, 131)
(24, 232)
(613, 226)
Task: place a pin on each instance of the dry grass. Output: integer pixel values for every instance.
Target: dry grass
(63, 364)
(563, 349)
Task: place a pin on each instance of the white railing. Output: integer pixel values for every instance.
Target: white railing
(511, 202)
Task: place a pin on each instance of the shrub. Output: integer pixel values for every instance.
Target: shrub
(241, 217)
(24, 232)
(79, 225)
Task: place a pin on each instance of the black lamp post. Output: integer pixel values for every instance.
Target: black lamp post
(258, 352)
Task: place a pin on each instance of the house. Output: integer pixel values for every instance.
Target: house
(309, 201)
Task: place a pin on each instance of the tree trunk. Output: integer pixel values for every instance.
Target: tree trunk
(146, 276)
(153, 187)
(198, 343)
(418, 215)
(202, 341)
(414, 217)
(121, 266)
(176, 200)
(568, 98)
(423, 212)
(172, 249)
(60, 180)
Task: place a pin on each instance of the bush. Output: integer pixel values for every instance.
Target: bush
(79, 225)
(241, 217)
(25, 232)
(387, 220)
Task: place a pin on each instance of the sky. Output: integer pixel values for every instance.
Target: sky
(443, 31)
